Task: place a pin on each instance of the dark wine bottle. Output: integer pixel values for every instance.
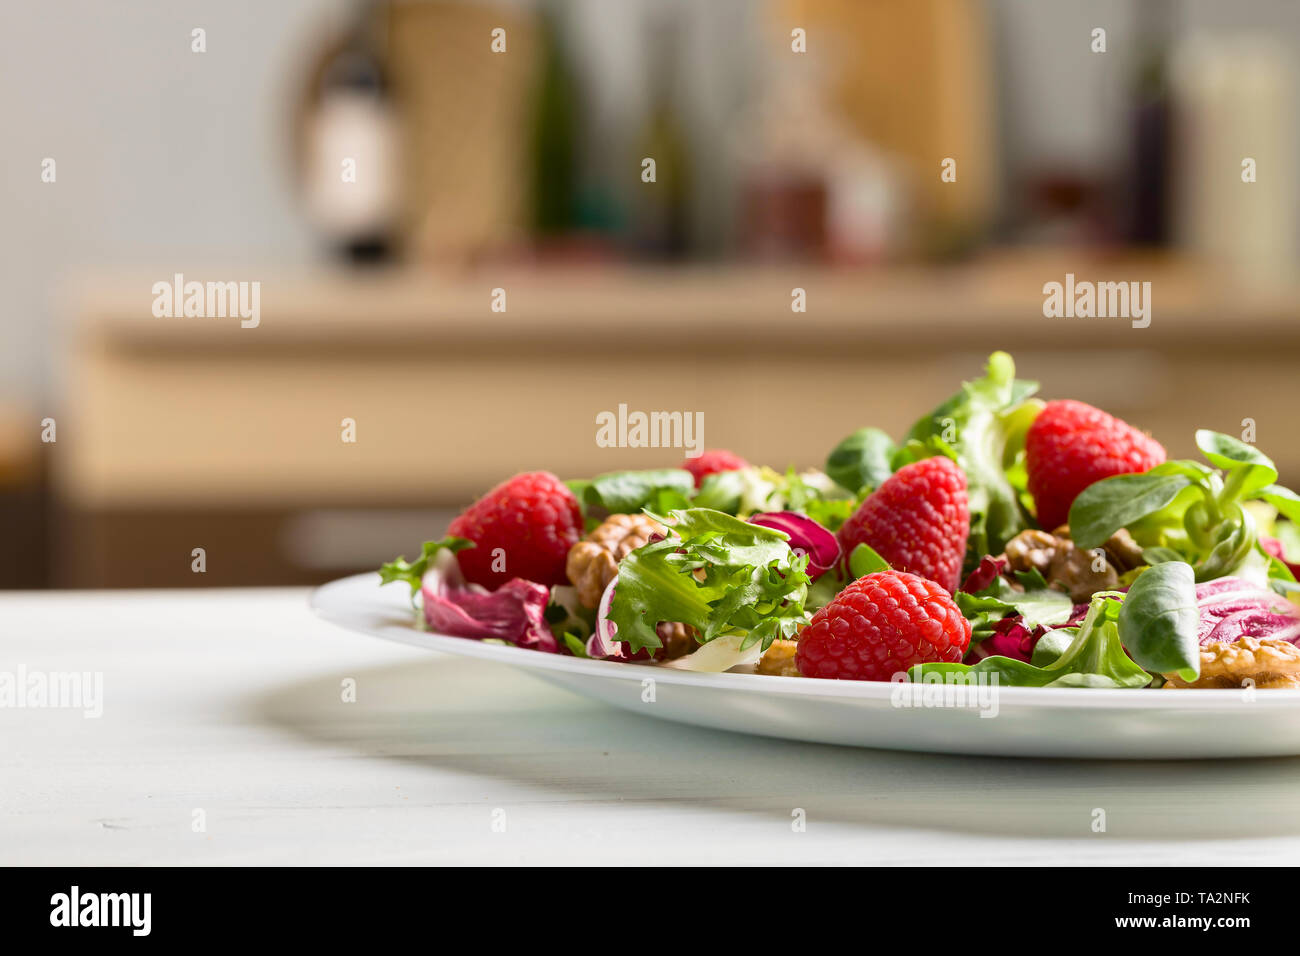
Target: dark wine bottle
(662, 213)
(1149, 190)
(554, 135)
(351, 162)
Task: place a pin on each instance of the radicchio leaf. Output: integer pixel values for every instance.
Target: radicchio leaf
(1233, 608)
(806, 537)
(514, 612)
(1010, 639)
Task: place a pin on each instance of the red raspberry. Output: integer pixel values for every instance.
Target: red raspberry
(882, 624)
(1070, 446)
(533, 519)
(712, 462)
(917, 520)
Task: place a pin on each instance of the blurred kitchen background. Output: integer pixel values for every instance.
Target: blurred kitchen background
(482, 169)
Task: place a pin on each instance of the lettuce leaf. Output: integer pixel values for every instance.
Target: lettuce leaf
(627, 492)
(755, 489)
(412, 572)
(985, 426)
(1095, 657)
(749, 582)
(1037, 605)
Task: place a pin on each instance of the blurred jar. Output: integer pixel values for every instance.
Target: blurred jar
(810, 187)
(1233, 101)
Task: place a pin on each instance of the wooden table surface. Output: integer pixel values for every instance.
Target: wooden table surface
(230, 703)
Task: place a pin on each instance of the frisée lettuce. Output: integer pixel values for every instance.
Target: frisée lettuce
(716, 573)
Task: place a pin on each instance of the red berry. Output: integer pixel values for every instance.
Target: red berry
(1070, 446)
(533, 519)
(917, 520)
(713, 461)
(880, 625)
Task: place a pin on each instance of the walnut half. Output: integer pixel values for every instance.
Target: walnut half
(1268, 663)
(593, 561)
(1031, 550)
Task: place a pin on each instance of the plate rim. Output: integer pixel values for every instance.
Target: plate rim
(1054, 697)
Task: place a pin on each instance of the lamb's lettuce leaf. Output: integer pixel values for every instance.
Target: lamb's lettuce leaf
(1095, 657)
(861, 462)
(1123, 639)
(1105, 506)
(1159, 618)
(1184, 510)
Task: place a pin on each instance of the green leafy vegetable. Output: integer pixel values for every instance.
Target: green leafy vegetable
(864, 560)
(985, 424)
(752, 583)
(1106, 506)
(1094, 658)
(576, 645)
(1288, 532)
(1249, 470)
(826, 588)
(1151, 628)
(723, 490)
(412, 572)
(829, 513)
(627, 492)
(914, 449)
(1183, 510)
(1052, 645)
(814, 494)
(1160, 555)
(1037, 604)
(566, 615)
(1284, 500)
(1158, 620)
(751, 490)
(861, 461)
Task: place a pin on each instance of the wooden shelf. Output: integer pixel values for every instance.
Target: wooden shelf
(695, 309)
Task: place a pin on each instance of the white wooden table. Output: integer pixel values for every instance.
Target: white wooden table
(230, 703)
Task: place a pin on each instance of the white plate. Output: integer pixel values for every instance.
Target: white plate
(1014, 721)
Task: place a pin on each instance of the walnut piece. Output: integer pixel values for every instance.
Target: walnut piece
(1031, 550)
(1269, 663)
(779, 661)
(678, 638)
(1123, 552)
(593, 561)
(1079, 573)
